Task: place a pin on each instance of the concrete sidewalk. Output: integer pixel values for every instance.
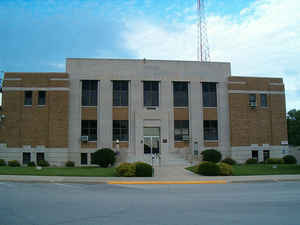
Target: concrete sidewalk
(148, 180)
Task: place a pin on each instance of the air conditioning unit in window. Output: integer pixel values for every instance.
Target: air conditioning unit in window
(84, 138)
(252, 104)
(185, 138)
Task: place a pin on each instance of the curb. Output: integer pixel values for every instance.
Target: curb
(170, 182)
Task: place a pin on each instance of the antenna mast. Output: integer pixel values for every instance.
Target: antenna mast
(202, 40)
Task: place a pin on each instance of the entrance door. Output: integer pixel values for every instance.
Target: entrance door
(151, 140)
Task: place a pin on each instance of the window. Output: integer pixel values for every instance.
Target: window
(181, 130)
(255, 154)
(40, 156)
(120, 130)
(252, 100)
(263, 100)
(181, 95)
(42, 98)
(89, 92)
(266, 154)
(26, 157)
(209, 91)
(84, 158)
(151, 93)
(120, 93)
(28, 98)
(89, 128)
(210, 130)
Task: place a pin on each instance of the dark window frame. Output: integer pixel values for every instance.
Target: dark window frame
(89, 128)
(120, 93)
(41, 98)
(210, 128)
(89, 93)
(180, 94)
(264, 100)
(254, 154)
(120, 130)
(252, 99)
(28, 98)
(38, 156)
(24, 159)
(266, 155)
(209, 94)
(151, 93)
(181, 128)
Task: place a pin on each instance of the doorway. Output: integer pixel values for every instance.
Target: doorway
(151, 140)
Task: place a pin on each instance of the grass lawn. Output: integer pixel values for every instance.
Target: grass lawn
(63, 171)
(261, 169)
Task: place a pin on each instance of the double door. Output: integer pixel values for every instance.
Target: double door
(151, 140)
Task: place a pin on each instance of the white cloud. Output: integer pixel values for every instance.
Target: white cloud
(265, 41)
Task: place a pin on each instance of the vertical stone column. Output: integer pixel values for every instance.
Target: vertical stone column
(223, 119)
(74, 120)
(105, 114)
(196, 115)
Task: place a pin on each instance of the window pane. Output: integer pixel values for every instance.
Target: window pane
(120, 93)
(263, 100)
(210, 129)
(209, 92)
(180, 92)
(89, 92)
(42, 98)
(26, 157)
(28, 98)
(40, 156)
(252, 98)
(151, 93)
(89, 128)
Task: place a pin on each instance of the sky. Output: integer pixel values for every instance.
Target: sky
(258, 37)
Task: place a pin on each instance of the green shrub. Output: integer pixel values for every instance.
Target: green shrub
(31, 164)
(2, 162)
(225, 169)
(69, 164)
(289, 159)
(14, 163)
(43, 163)
(251, 161)
(274, 161)
(104, 157)
(211, 155)
(229, 161)
(126, 170)
(143, 169)
(208, 169)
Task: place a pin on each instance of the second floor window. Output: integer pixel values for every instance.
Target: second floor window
(42, 98)
(151, 93)
(263, 100)
(209, 92)
(252, 100)
(120, 93)
(181, 95)
(89, 92)
(28, 98)
(89, 128)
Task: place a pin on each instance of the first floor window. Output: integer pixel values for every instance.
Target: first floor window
(42, 98)
(26, 157)
(210, 130)
(255, 154)
(266, 154)
(84, 158)
(28, 98)
(89, 128)
(181, 130)
(40, 156)
(120, 130)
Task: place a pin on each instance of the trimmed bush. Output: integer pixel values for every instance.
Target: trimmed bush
(274, 161)
(104, 157)
(225, 169)
(69, 164)
(13, 163)
(126, 170)
(211, 155)
(208, 169)
(2, 162)
(143, 169)
(251, 161)
(289, 159)
(31, 164)
(229, 161)
(43, 163)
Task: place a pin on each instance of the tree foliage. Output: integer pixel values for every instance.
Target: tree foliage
(293, 125)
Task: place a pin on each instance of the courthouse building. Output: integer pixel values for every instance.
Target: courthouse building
(139, 107)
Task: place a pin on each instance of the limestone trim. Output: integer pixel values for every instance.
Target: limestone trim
(255, 92)
(276, 84)
(237, 82)
(35, 89)
(58, 79)
(12, 79)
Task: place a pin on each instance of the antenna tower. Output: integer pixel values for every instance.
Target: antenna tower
(202, 40)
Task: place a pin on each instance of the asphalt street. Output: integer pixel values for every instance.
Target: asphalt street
(101, 204)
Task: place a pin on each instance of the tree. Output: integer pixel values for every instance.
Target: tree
(293, 125)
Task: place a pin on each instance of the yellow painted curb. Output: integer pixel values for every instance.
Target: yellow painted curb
(170, 182)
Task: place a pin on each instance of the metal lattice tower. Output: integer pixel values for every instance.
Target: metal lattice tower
(202, 40)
